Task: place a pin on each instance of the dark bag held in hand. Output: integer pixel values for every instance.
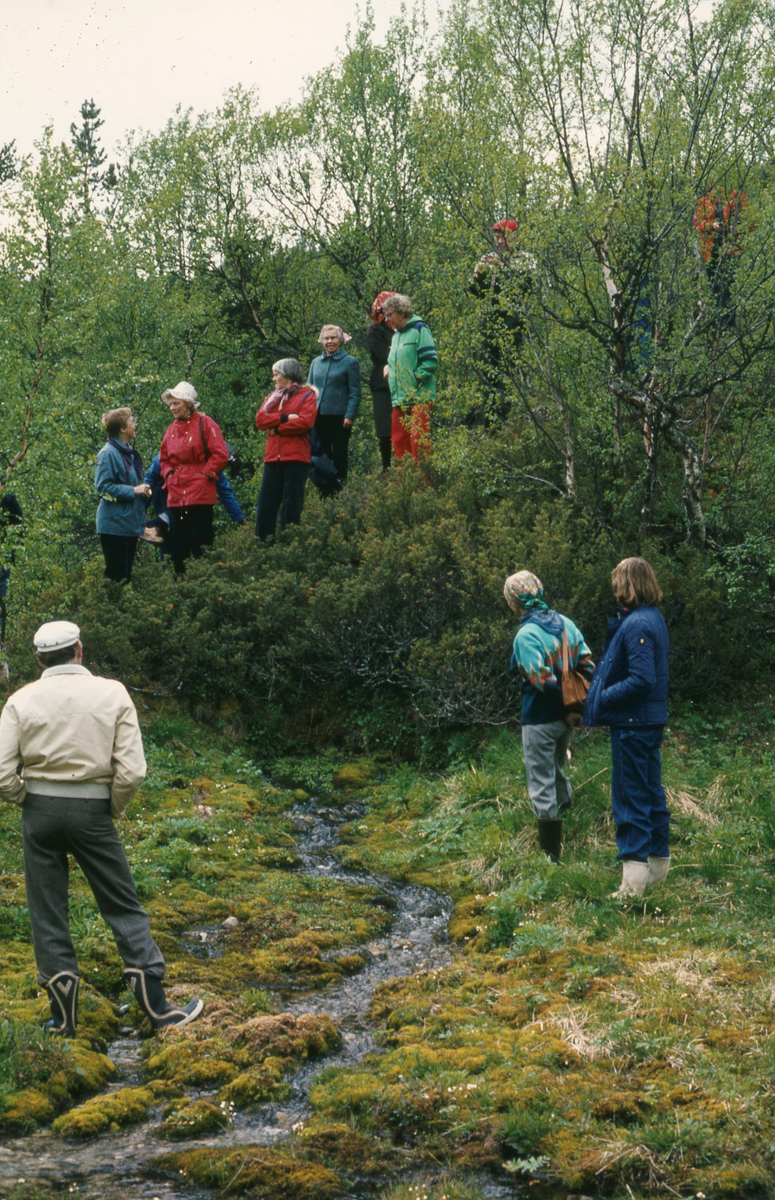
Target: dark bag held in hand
(574, 685)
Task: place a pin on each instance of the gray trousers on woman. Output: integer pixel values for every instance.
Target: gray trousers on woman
(52, 829)
(545, 748)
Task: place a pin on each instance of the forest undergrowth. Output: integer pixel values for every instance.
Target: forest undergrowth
(576, 1045)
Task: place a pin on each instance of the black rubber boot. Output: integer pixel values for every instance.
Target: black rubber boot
(149, 994)
(550, 837)
(62, 991)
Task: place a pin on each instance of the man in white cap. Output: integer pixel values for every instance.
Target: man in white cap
(71, 754)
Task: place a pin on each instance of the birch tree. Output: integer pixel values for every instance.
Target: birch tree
(635, 110)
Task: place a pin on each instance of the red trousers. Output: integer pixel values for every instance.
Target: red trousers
(411, 430)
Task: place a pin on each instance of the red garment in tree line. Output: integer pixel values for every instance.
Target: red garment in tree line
(717, 220)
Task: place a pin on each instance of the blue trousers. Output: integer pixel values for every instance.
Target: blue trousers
(641, 814)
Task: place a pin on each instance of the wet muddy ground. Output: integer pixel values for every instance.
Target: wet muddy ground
(114, 1166)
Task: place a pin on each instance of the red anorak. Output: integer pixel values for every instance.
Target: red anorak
(286, 440)
(192, 456)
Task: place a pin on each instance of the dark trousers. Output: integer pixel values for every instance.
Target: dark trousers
(52, 828)
(640, 810)
(336, 441)
(119, 554)
(282, 490)
(191, 529)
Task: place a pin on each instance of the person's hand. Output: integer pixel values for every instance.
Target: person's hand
(574, 720)
(144, 490)
(385, 372)
(348, 423)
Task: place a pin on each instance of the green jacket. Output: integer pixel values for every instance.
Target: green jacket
(412, 364)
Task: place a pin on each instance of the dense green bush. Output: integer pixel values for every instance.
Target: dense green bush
(382, 617)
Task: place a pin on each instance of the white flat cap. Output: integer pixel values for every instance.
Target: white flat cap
(56, 635)
(181, 391)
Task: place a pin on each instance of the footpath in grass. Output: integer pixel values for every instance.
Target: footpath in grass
(574, 1045)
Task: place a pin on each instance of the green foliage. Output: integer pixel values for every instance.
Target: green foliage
(525, 1128)
(28, 1056)
(532, 937)
(509, 905)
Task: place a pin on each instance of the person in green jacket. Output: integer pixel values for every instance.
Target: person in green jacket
(411, 373)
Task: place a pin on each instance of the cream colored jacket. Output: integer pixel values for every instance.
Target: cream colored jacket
(73, 734)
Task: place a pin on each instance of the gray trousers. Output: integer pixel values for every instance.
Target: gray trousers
(545, 748)
(53, 828)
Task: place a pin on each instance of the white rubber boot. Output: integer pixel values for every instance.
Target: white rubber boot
(635, 876)
(658, 868)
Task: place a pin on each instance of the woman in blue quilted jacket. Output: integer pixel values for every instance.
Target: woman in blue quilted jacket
(629, 694)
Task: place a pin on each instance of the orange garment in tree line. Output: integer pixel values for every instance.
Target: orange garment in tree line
(717, 220)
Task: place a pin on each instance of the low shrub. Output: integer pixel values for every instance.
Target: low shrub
(380, 621)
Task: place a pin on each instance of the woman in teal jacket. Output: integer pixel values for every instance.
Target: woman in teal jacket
(337, 378)
(118, 480)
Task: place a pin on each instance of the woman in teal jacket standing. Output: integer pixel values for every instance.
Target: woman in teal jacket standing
(118, 480)
(337, 377)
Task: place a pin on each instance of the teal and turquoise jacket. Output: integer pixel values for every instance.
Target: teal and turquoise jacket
(412, 364)
(538, 658)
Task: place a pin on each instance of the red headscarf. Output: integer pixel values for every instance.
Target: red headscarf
(376, 308)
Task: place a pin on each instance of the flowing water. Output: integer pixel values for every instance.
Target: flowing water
(112, 1167)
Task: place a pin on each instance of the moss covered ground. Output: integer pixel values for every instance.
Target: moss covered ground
(577, 1044)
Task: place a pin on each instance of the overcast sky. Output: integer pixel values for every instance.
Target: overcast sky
(139, 60)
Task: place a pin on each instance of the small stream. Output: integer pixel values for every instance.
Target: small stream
(111, 1167)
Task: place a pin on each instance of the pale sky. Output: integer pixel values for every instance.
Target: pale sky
(139, 60)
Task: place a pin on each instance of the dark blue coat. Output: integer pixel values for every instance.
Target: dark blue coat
(629, 687)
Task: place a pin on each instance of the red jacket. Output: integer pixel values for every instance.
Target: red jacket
(190, 472)
(288, 441)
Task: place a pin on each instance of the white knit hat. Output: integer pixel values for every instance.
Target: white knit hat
(56, 635)
(181, 391)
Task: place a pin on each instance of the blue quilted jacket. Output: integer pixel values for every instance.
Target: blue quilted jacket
(629, 687)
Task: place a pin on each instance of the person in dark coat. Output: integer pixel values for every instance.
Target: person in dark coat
(378, 338)
(629, 694)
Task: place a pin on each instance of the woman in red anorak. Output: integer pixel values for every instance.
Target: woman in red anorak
(192, 456)
(287, 415)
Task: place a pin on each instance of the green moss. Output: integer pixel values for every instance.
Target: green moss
(192, 1118)
(26, 1109)
(105, 1114)
(265, 1173)
(197, 1063)
(353, 775)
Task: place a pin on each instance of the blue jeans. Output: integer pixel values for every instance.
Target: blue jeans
(641, 814)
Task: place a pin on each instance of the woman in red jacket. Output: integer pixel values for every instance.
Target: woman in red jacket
(287, 415)
(192, 456)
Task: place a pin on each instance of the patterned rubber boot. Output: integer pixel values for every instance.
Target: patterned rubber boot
(62, 991)
(149, 994)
